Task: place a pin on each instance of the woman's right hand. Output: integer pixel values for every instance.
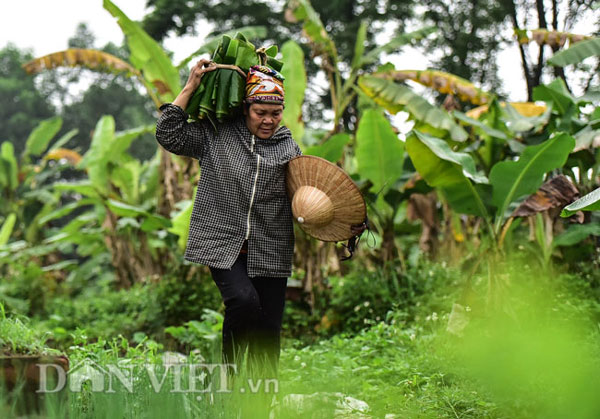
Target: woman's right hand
(193, 81)
(196, 73)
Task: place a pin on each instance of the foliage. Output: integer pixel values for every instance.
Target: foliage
(79, 57)
(379, 153)
(294, 85)
(147, 56)
(22, 105)
(17, 337)
(469, 40)
(577, 53)
(200, 335)
(395, 97)
(98, 311)
(444, 83)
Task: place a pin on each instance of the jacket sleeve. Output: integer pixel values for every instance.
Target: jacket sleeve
(177, 135)
(297, 149)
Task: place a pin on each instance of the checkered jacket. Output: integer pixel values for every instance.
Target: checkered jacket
(241, 193)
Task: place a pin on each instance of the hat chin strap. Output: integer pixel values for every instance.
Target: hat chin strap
(353, 242)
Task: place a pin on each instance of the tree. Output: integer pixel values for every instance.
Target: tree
(469, 38)
(22, 106)
(558, 15)
(341, 19)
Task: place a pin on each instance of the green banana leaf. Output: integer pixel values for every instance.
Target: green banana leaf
(575, 234)
(556, 93)
(511, 180)
(107, 157)
(4, 174)
(7, 228)
(332, 149)
(359, 47)
(519, 123)
(210, 45)
(272, 51)
(181, 221)
(84, 187)
(40, 137)
(223, 84)
(576, 53)
(246, 57)
(395, 97)
(379, 153)
(453, 172)
(274, 64)
(231, 52)
(122, 140)
(100, 152)
(9, 167)
(589, 202)
(151, 221)
(66, 210)
(294, 86)
(127, 178)
(150, 178)
(63, 140)
(302, 10)
(479, 125)
(236, 92)
(148, 56)
(206, 103)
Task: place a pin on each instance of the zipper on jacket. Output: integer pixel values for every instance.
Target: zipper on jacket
(253, 189)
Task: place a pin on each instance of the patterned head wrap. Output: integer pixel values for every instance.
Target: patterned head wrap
(264, 84)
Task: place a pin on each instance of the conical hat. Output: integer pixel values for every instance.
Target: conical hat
(325, 201)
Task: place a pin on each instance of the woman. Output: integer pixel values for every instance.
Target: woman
(241, 224)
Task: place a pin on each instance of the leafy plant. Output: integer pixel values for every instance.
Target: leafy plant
(17, 337)
(199, 335)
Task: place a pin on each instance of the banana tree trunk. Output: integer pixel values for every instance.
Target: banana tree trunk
(131, 257)
(177, 177)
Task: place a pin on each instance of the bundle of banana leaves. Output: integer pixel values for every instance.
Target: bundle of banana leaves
(221, 92)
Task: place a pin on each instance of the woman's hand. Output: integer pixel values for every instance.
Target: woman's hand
(196, 73)
(193, 81)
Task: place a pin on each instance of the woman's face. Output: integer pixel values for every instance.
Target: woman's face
(263, 119)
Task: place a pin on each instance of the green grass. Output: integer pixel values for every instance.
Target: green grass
(535, 356)
(18, 338)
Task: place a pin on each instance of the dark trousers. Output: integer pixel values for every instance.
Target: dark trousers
(253, 314)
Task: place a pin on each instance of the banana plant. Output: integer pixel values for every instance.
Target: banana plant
(25, 180)
(118, 199)
(294, 86)
(149, 63)
(342, 87)
(468, 192)
(394, 97)
(445, 83)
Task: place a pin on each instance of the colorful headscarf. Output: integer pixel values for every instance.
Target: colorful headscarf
(264, 84)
